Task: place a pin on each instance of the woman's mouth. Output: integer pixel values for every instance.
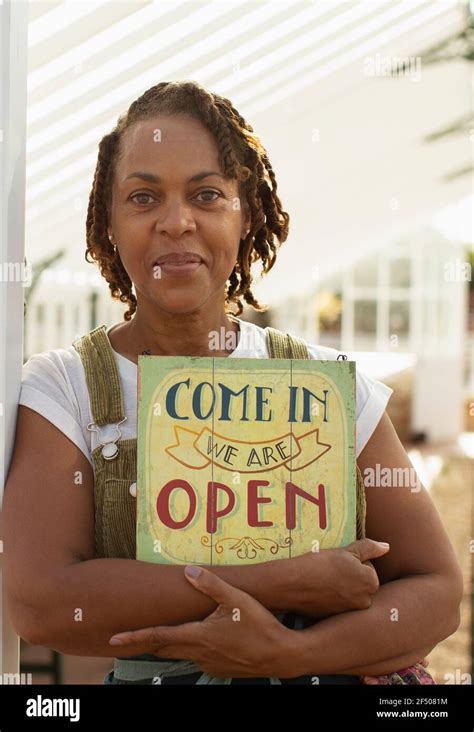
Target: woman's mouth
(177, 269)
(177, 264)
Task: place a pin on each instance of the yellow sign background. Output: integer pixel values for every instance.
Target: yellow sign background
(177, 449)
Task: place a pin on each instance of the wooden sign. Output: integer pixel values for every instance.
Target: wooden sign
(244, 460)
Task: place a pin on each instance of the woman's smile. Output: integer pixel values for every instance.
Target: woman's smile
(177, 263)
(177, 268)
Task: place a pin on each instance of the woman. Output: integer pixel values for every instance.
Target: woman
(184, 201)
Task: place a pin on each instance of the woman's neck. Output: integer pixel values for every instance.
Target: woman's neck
(177, 335)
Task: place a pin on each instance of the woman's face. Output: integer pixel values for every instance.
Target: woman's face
(177, 238)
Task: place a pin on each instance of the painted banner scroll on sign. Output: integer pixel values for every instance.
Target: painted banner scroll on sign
(244, 460)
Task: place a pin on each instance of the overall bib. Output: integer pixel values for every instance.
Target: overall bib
(115, 468)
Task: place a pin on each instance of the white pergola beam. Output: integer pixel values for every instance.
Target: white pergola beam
(13, 70)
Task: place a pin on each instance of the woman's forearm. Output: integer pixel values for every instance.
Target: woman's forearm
(84, 604)
(408, 617)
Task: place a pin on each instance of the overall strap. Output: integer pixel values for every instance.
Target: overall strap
(361, 505)
(284, 345)
(102, 376)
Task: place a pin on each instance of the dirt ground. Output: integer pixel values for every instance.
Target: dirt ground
(451, 661)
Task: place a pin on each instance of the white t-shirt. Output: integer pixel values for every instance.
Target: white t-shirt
(54, 385)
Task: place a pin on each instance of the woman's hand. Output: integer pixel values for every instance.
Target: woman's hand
(240, 638)
(320, 584)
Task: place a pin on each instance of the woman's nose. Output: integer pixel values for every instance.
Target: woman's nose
(175, 217)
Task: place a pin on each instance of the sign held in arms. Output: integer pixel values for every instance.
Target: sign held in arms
(244, 460)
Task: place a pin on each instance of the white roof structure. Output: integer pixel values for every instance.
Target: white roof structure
(346, 140)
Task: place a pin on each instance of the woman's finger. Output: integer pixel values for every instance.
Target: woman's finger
(210, 584)
(159, 636)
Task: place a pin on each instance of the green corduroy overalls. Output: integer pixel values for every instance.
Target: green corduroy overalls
(115, 477)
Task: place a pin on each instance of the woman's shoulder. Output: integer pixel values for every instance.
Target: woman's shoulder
(56, 364)
(54, 376)
(53, 384)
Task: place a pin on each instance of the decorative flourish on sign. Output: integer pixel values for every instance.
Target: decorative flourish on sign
(246, 547)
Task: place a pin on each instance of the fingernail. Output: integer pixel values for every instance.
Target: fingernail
(383, 543)
(193, 571)
(116, 642)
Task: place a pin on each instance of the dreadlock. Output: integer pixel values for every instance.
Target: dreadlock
(242, 156)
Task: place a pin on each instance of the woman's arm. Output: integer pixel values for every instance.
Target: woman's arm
(58, 594)
(61, 597)
(372, 642)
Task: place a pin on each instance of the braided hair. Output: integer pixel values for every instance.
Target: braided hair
(242, 156)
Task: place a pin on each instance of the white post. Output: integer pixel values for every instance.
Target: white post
(13, 71)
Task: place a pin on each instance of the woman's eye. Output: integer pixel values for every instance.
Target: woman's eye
(137, 196)
(215, 193)
(141, 195)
